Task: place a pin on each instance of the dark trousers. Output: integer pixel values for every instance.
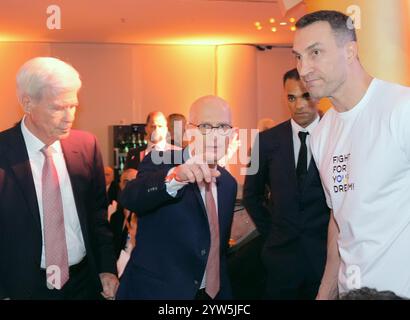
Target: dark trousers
(80, 285)
(290, 273)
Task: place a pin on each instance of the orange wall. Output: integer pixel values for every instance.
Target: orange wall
(12, 55)
(271, 67)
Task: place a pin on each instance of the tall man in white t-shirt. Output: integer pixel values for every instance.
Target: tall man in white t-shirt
(362, 150)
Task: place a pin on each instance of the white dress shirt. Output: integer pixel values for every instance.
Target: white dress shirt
(74, 238)
(296, 140)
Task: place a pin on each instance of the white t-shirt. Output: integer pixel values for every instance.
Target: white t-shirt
(363, 156)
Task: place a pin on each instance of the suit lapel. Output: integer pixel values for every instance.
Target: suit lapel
(288, 153)
(199, 198)
(20, 165)
(310, 173)
(75, 167)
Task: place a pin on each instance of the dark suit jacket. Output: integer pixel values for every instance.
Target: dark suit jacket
(20, 228)
(120, 233)
(173, 237)
(291, 214)
(112, 193)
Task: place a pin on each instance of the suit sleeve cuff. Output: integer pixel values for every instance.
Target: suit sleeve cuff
(172, 185)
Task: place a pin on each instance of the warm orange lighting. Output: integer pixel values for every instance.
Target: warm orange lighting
(257, 24)
(200, 41)
(7, 37)
(283, 23)
(259, 27)
(274, 29)
(292, 28)
(272, 20)
(292, 20)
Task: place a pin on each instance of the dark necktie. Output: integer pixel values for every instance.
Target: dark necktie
(301, 168)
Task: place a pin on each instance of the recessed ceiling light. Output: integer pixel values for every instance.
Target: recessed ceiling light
(274, 29)
(272, 20)
(259, 27)
(283, 23)
(257, 23)
(292, 20)
(292, 28)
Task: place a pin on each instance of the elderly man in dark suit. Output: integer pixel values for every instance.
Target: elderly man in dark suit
(54, 238)
(294, 221)
(185, 211)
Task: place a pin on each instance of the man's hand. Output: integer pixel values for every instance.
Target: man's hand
(195, 170)
(110, 285)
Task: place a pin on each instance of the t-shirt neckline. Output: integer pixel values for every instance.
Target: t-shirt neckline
(346, 115)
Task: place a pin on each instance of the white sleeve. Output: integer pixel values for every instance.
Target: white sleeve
(399, 123)
(174, 186)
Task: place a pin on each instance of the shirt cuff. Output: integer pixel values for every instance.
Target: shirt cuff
(173, 186)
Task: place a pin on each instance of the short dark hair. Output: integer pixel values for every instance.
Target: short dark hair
(291, 74)
(338, 21)
(369, 294)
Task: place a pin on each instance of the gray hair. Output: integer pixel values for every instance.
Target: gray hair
(45, 74)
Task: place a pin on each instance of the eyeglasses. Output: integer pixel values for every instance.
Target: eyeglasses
(206, 128)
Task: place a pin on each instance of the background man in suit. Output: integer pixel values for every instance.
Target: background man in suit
(156, 130)
(53, 228)
(295, 220)
(184, 214)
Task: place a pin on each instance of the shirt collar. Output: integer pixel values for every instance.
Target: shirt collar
(160, 146)
(34, 144)
(296, 127)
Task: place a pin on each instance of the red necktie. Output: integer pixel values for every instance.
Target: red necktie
(212, 266)
(53, 219)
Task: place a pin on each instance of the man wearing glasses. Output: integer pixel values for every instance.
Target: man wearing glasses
(185, 210)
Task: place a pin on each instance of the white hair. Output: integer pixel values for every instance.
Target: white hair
(45, 75)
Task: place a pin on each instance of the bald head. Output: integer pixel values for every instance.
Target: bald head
(210, 109)
(156, 127)
(210, 123)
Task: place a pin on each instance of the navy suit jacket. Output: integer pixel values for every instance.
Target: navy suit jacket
(173, 237)
(291, 214)
(20, 227)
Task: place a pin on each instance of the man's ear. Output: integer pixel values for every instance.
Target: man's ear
(352, 51)
(27, 104)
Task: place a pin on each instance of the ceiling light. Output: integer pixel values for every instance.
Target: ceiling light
(283, 23)
(274, 29)
(272, 20)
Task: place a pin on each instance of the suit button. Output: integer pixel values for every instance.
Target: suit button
(196, 282)
(203, 252)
